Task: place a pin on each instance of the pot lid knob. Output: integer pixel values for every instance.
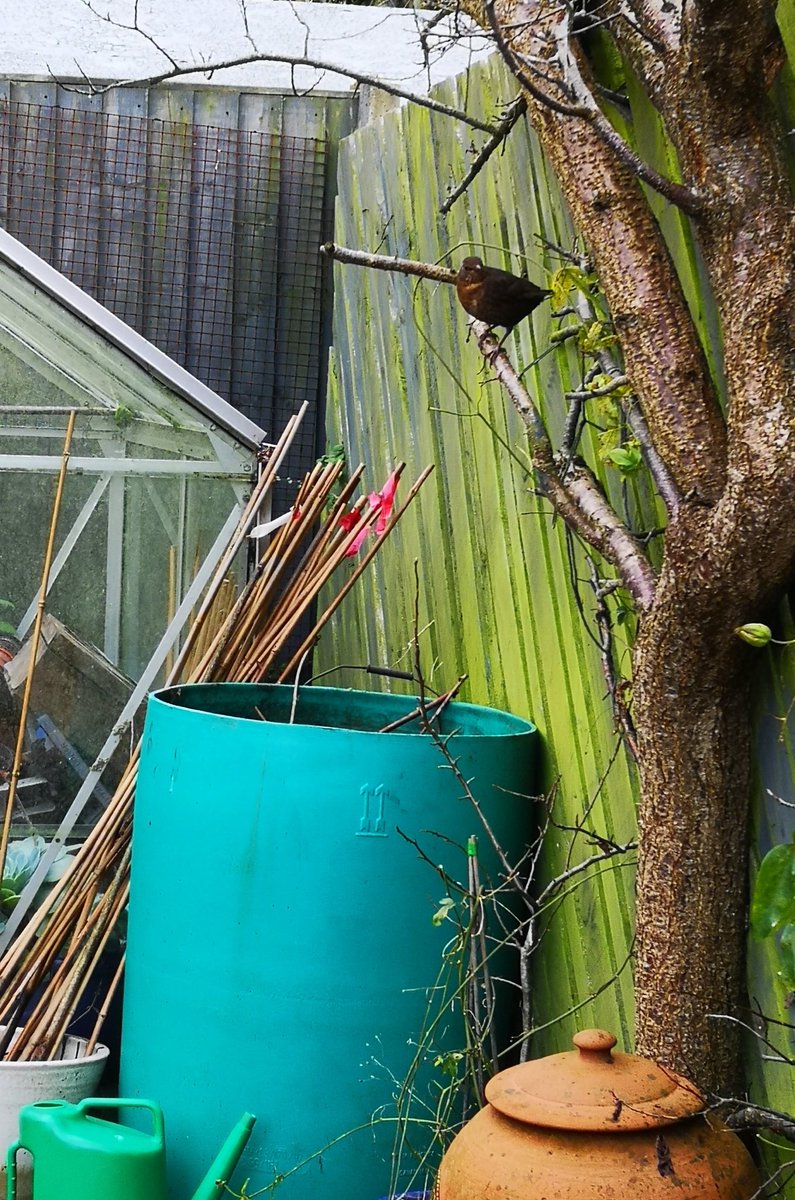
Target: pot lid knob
(593, 1088)
(595, 1045)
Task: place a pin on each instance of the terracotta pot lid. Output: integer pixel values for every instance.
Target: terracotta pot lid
(593, 1088)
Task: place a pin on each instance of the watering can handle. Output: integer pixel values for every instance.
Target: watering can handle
(11, 1171)
(158, 1130)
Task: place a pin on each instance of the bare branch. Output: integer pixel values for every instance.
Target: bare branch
(580, 103)
(616, 687)
(616, 382)
(664, 481)
(647, 33)
(754, 1116)
(584, 865)
(516, 111)
(132, 27)
(610, 536)
(573, 490)
(209, 68)
(384, 262)
(683, 197)
(515, 63)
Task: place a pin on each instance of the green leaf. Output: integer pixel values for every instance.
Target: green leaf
(608, 441)
(567, 279)
(626, 458)
(787, 956)
(443, 911)
(448, 1063)
(334, 454)
(773, 900)
(8, 628)
(123, 416)
(595, 337)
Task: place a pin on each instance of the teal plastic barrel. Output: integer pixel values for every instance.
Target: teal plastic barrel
(281, 949)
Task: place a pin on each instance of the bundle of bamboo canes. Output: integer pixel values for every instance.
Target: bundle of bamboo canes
(58, 949)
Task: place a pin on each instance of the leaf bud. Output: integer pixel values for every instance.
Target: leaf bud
(754, 633)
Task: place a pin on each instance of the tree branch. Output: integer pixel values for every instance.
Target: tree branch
(662, 353)
(683, 197)
(209, 68)
(572, 489)
(754, 1116)
(663, 480)
(656, 21)
(516, 111)
(384, 262)
(647, 32)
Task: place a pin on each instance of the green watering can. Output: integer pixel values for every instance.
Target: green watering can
(77, 1156)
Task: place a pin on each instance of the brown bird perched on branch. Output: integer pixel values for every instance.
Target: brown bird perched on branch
(496, 297)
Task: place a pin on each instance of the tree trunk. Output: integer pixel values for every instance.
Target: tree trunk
(729, 544)
(691, 710)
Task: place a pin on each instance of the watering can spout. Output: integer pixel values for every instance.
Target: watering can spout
(212, 1186)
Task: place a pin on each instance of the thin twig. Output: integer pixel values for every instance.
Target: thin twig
(516, 111)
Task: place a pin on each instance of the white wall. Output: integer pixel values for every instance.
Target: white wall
(65, 39)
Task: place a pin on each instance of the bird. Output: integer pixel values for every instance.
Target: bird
(496, 297)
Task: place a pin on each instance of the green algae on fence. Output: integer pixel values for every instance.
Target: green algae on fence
(494, 570)
(495, 574)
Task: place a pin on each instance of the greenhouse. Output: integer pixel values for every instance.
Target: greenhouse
(158, 469)
(121, 480)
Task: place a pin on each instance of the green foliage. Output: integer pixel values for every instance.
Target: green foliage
(569, 279)
(596, 336)
(22, 858)
(449, 1063)
(773, 901)
(334, 454)
(626, 458)
(123, 416)
(773, 905)
(6, 626)
(443, 911)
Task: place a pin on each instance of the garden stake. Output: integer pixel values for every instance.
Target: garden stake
(242, 649)
(34, 644)
(103, 1012)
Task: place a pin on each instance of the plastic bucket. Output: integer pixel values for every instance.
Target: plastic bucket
(72, 1078)
(281, 950)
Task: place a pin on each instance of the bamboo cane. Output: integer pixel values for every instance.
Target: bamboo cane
(365, 562)
(300, 560)
(34, 643)
(105, 1008)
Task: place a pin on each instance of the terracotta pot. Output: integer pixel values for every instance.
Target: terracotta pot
(592, 1124)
